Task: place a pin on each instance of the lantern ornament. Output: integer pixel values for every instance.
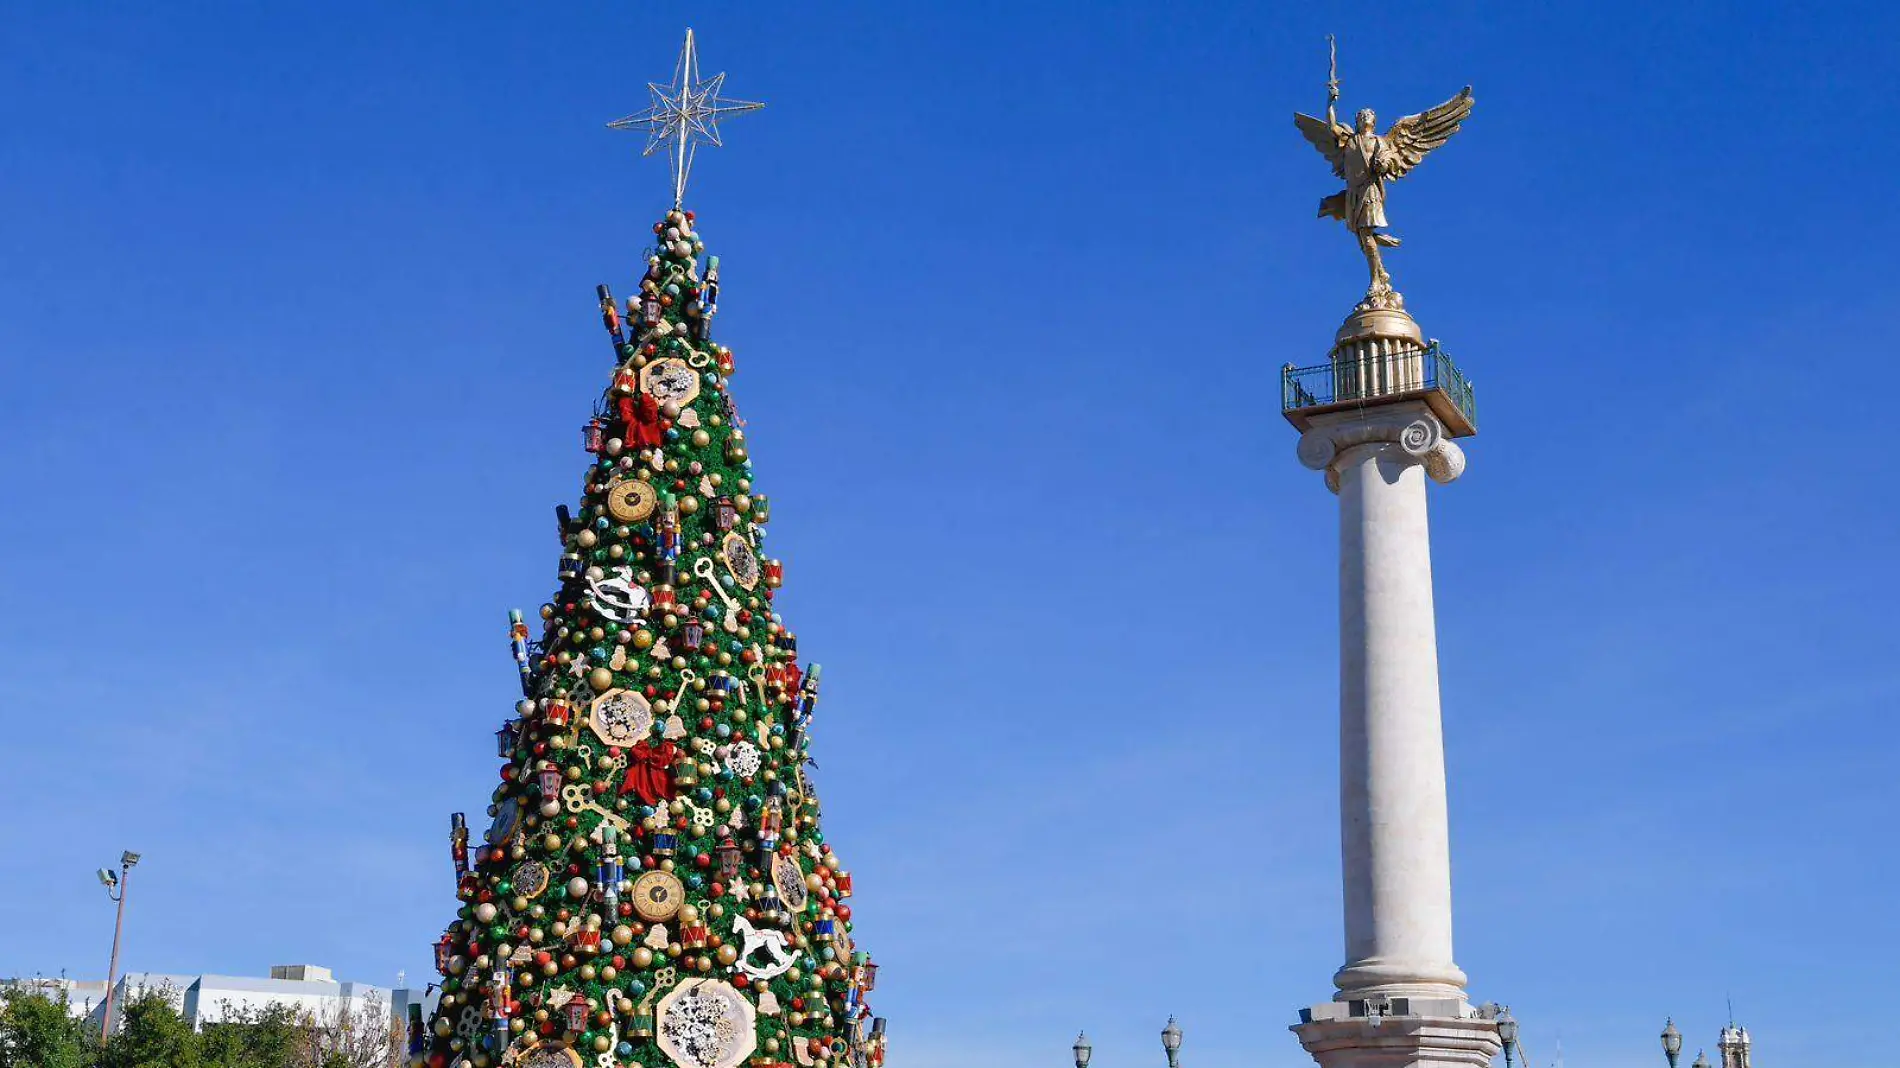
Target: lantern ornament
(444, 949)
(730, 858)
(591, 437)
(725, 514)
(867, 972)
(506, 737)
(549, 780)
(576, 1010)
(693, 633)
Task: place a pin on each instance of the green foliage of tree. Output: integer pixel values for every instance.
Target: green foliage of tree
(37, 1031)
(154, 1036)
(271, 1037)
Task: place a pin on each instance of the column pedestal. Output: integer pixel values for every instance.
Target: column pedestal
(1421, 1032)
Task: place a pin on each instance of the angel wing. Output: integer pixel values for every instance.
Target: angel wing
(1325, 137)
(1413, 136)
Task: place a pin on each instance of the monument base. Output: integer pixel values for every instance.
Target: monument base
(1398, 1033)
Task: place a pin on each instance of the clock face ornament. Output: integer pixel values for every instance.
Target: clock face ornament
(657, 895)
(620, 717)
(670, 381)
(740, 560)
(631, 500)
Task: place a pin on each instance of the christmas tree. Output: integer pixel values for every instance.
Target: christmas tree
(654, 887)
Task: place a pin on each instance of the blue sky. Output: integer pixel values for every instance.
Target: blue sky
(298, 330)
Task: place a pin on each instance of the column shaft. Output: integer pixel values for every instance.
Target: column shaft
(1393, 827)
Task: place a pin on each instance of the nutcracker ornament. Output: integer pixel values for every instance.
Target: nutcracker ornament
(610, 315)
(458, 843)
(655, 889)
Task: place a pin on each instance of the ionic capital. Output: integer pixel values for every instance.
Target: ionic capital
(1413, 428)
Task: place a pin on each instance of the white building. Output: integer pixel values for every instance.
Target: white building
(209, 999)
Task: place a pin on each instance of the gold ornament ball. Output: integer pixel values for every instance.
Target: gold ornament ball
(688, 913)
(623, 935)
(608, 973)
(727, 954)
(588, 539)
(643, 957)
(688, 505)
(742, 503)
(600, 679)
(643, 639)
(701, 439)
(602, 1043)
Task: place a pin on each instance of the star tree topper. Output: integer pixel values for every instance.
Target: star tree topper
(685, 114)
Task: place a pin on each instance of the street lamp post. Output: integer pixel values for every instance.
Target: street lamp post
(1171, 1041)
(1083, 1051)
(1507, 1034)
(115, 889)
(1672, 1041)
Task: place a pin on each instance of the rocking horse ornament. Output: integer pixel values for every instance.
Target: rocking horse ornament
(1366, 161)
(772, 943)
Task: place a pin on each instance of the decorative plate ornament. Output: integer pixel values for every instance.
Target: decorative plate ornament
(658, 895)
(631, 499)
(507, 819)
(617, 597)
(620, 717)
(705, 1023)
(530, 878)
(790, 880)
(742, 759)
(550, 1057)
(670, 381)
(740, 560)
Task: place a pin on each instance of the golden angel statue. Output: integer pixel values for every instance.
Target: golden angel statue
(1366, 160)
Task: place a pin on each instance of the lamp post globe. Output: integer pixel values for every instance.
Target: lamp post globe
(1671, 1041)
(1507, 1033)
(1083, 1051)
(1171, 1041)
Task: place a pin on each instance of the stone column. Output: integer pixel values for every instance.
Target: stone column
(1400, 997)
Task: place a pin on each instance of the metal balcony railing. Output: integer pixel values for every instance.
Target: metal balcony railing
(1427, 375)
